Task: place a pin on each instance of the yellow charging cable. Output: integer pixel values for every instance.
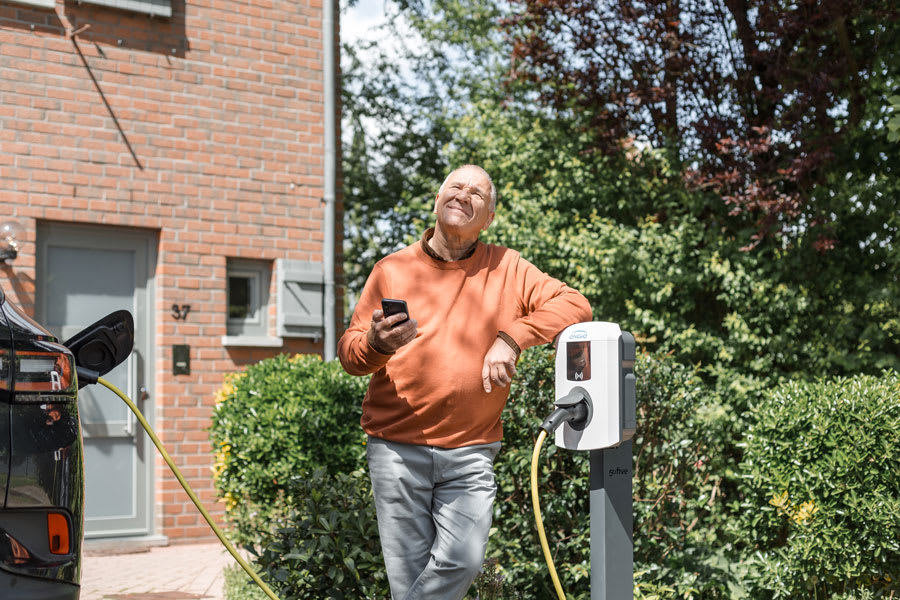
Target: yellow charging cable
(187, 488)
(537, 514)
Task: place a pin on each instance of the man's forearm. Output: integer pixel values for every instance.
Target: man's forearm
(544, 323)
(358, 356)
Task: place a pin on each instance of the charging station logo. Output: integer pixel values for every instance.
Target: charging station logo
(581, 334)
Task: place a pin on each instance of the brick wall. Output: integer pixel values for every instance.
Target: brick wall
(207, 128)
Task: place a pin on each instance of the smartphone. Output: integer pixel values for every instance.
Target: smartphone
(392, 307)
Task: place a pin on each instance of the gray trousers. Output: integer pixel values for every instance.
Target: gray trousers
(434, 508)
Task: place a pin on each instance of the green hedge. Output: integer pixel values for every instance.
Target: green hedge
(270, 443)
(326, 543)
(797, 497)
(822, 500)
(277, 420)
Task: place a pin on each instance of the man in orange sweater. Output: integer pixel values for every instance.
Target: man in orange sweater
(432, 410)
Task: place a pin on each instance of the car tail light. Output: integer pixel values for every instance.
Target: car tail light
(58, 533)
(17, 553)
(41, 376)
(4, 369)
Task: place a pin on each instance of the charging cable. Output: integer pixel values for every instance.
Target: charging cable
(187, 488)
(571, 408)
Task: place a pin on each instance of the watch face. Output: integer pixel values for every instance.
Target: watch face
(578, 361)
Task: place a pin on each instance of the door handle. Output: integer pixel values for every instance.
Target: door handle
(143, 394)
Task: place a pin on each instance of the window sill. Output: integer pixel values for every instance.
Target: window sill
(36, 3)
(255, 341)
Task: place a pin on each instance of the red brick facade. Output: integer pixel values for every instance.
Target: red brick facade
(206, 128)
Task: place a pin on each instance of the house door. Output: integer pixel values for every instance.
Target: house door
(83, 274)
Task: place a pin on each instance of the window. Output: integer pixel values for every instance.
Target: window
(248, 297)
(156, 8)
(37, 3)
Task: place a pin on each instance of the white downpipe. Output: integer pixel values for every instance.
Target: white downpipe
(328, 60)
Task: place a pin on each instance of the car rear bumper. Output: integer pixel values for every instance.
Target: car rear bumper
(22, 587)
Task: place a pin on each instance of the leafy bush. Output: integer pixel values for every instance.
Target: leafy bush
(491, 584)
(680, 455)
(326, 543)
(806, 506)
(282, 417)
(822, 506)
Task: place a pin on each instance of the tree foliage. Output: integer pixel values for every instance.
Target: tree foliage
(392, 155)
(659, 256)
(760, 100)
(663, 262)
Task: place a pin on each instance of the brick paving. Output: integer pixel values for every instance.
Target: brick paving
(180, 572)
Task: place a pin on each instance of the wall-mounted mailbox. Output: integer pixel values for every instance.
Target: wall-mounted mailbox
(181, 359)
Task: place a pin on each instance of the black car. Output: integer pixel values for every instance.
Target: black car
(41, 453)
(41, 468)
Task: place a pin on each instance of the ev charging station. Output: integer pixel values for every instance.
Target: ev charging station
(595, 367)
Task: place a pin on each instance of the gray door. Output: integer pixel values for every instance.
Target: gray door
(83, 274)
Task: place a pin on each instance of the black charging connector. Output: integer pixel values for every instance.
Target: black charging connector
(86, 376)
(571, 408)
(576, 414)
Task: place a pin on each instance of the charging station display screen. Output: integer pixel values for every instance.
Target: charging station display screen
(578, 361)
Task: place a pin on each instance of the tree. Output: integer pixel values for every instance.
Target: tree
(392, 156)
(402, 91)
(759, 99)
(661, 258)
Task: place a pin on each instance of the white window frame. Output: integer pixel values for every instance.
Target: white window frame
(36, 3)
(260, 274)
(160, 8)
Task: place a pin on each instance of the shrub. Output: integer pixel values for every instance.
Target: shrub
(326, 543)
(282, 417)
(822, 506)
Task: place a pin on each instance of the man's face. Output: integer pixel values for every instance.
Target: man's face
(463, 206)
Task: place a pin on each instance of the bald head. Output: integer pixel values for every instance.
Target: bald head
(493, 203)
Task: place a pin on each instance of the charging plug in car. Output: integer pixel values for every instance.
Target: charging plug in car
(99, 348)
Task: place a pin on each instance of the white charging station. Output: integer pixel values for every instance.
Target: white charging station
(598, 359)
(595, 364)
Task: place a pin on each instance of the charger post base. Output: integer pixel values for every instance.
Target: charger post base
(612, 523)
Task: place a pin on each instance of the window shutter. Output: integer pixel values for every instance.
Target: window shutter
(300, 298)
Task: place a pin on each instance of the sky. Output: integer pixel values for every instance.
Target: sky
(358, 20)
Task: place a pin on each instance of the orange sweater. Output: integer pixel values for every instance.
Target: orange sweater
(430, 391)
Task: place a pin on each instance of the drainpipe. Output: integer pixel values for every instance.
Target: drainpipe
(328, 66)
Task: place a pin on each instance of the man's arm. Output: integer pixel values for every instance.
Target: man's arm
(356, 352)
(360, 350)
(550, 306)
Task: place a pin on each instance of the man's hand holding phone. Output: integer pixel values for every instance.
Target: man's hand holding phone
(391, 327)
